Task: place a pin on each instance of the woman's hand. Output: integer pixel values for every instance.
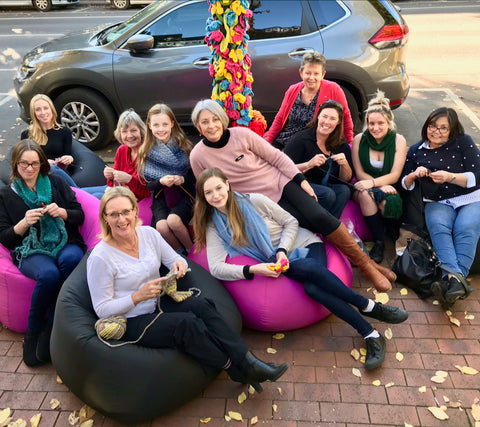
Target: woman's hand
(178, 179)
(149, 290)
(168, 180)
(265, 269)
(364, 184)
(282, 256)
(64, 160)
(32, 216)
(441, 177)
(122, 177)
(108, 173)
(317, 160)
(308, 189)
(340, 159)
(55, 211)
(388, 189)
(180, 268)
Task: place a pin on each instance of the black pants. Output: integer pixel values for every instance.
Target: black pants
(308, 212)
(193, 326)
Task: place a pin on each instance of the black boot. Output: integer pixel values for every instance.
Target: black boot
(375, 352)
(256, 371)
(457, 290)
(439, 288)
(387, 313)
(43, 346)
(377, 251)
(30, 342)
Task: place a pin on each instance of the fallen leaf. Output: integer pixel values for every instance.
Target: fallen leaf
(469, 317)
(280, 392)
(467, 370)
(456, 404)
(87, 423)
(278, 336)
(422, 389)
(437, 379)
(476, 411)
(404, 291)
(399, 356)
(407, 425)
(17, 30)
(73, 418)
(435, 302)
(5, 415)
(54, 403)
(59, 380)
(205, 420)
(363, 351)
(388, 334)
(227, 418)
(455, 321)
(251, 390)
(11, 52)
(356, 372)
(355, 354)
(438, 413)
(376, 383)
(241, 398)
(235, 416)
(35, 420)
(271, 350)
(443, 374)
(362, 359)
(446, 399)
(18, 423)
(86, 413)
(275, 408)
(390, 384)
(254, 420)
(382, 297)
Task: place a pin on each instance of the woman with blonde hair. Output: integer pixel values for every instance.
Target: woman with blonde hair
(163, 162)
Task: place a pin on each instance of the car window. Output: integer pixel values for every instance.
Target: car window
(184, 26)
(272, 19)
(326, 12)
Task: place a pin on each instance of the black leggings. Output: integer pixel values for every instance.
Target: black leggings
(308, 212)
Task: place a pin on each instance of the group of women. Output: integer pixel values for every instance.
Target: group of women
(250, 198)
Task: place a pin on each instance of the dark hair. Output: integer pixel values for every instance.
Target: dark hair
(335, 139)
(314, 58)
(456, 128)
(19, 149)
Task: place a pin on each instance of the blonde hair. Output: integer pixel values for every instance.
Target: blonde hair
(35, 130)
(203, 212)
(379, 104)
(178, 136)
(113, 193)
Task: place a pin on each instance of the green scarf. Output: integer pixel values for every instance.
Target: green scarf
(53, 235)
(387, 145)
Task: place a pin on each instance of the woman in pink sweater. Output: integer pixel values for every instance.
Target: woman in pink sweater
(302, 100)
(254, 166)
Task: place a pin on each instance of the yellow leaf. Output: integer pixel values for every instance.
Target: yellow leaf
(399, 356)
(446, 399)
(363, 351)
(275, 407)
(54, 403)
(241, 398)
(456, 404)
(278, 336)
(404, 291)
(254, 420)
(59, 380)
(355, 354)
(227, 418)
(205, 420)
(443, 374)
(388, 334)
(356, 372)
(455, 321)
(382, 297)
(390, 384)
(469, 317)
(376, 383)
(407, 425)
(437, 379)
(435, 302)
(362, 359)
(476, 411)
(251, 390)
(422, 389)
(448, 313)
(18, 423)
(87, 423)
(438, 413)
(35, 420)
(466, 370)
(5, 415)
(73, 418)
(86, 413)
(280, 392)
(235, 416)
(271, 350)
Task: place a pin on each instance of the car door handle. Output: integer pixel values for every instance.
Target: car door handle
(300, 52)
(201, 62)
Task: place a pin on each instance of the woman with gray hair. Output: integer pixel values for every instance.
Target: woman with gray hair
(301, 102)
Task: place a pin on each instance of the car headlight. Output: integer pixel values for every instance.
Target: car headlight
(25, 72)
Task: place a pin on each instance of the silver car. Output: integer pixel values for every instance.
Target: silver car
(160, 55)
(125, 4)
(42, 5)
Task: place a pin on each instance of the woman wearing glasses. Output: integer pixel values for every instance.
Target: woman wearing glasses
(325, 159)
(378, 155)
(39, 220)
(445, 165)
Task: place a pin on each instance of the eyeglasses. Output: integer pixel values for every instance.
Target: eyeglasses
(24, 164)
(443, 130)
(331, 101)
(116, 215)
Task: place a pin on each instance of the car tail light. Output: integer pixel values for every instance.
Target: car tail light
(396, 102)
(389, 36)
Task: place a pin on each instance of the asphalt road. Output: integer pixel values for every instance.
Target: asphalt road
(442, 61)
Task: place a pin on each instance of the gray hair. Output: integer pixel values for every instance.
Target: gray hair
(127, 118)
(314, 58)
(214, 108)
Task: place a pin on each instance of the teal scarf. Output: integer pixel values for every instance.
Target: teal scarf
(53, 235)
(387, 145)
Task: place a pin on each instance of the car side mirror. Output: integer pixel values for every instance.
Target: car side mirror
(140, 43)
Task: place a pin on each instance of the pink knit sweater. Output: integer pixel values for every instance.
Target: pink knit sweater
(251, 164)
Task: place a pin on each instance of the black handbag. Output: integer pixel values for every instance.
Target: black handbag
(418, 267)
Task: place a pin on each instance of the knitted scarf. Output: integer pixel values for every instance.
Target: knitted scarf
(165, 159)
(387, 145)
(53, 235)
(256, 231)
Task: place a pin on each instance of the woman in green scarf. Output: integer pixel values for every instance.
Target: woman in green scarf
(39, 220)
(378, 155)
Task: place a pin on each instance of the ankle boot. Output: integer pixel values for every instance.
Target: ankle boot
(342, 239)
(43, 346)
(257, 371)
(389, 274)
(30, 342)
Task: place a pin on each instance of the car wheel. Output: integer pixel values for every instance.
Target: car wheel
(42, 5)
(121, 4)
(88, 115)
(354, 111)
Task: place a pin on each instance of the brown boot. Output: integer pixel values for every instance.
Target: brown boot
(342, 239)
(389, 274)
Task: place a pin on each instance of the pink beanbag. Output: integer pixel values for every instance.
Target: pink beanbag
(145, 210)
(16, 289)
(268, 304)
(352, 214)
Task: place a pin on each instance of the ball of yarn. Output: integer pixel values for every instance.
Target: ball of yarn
(111, 328)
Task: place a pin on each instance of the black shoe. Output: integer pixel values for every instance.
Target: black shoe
(439, 288)
(30, 342)
(387, 313)
(257, 371)
(43, 346)
(375, 352)
(377, 251)
(455, 290)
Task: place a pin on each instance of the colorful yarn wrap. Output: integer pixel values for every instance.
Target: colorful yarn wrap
(230, 62)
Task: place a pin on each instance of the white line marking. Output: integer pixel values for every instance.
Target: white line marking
(5, 100)
(33, 35)
(7, 69)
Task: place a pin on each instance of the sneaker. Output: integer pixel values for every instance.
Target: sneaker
(454, 291)
(387, 313)
(376, 253)
(438, 288)
(375, 352)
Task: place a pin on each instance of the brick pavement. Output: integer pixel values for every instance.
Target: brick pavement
(319, 389)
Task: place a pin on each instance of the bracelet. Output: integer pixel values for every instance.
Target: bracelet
(26, 222)
(373, 180)
(453, 179)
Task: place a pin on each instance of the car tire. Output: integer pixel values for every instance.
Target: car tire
(121, 4)
(42, 5)
(354, 111)
(88, 115)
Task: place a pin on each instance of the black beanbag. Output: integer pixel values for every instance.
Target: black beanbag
(130, 383)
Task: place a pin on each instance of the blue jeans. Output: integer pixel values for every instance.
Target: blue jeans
(96, 191)
(454, 233)
(49, 274)
(333, 197)
(323, 286)
(61, 173)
